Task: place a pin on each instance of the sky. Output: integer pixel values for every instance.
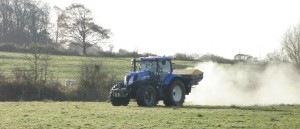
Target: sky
(221, 27)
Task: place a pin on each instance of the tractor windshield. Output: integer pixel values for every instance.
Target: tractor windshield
(148, 66)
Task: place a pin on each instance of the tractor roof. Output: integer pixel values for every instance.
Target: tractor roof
(155, 58)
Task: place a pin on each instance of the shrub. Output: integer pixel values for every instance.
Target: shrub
(8, 48)
(52, 91)
(94, 82)
(22, 91)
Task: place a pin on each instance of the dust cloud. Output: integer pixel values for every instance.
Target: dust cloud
(244, 84)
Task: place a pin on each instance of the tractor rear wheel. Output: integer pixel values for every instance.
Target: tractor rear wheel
(175, 94)
(146, 96)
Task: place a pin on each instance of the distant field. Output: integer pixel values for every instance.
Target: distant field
(103, 115)
(67, 67)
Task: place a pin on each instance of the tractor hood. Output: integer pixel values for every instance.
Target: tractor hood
(136, 76)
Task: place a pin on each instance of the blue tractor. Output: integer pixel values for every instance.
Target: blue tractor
(153, 79)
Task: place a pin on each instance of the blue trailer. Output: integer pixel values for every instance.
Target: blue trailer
(153, 79)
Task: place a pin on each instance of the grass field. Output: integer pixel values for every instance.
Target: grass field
(103, 115)
(67, 67)
(49, 114)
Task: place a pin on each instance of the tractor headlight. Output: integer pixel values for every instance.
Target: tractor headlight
(130, 80)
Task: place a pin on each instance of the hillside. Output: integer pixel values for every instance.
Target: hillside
(67, 67)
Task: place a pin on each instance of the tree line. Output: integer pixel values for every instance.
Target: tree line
(24, 21)
(28, 21)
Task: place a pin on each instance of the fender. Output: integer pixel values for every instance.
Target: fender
(168, 79)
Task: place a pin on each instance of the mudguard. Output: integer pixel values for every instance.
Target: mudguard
(169, 78)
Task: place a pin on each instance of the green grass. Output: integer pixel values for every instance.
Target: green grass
(67, 67)
(103, 115)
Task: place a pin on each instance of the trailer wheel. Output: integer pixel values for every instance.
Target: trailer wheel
(146, 96)
(175, 94)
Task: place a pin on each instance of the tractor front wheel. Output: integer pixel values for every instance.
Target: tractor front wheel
(146, 96)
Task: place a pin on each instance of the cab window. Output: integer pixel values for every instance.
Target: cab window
(148, 66)
(165, 66)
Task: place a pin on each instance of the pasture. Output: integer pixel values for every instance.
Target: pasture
(50, 114)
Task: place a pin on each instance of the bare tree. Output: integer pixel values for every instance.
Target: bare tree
(6, 18)
(79, 27)
(24, 21)
(37, 73)
(291, 45)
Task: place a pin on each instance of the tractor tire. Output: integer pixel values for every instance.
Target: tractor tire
(119, 101)
(175, 94)
(146, 96)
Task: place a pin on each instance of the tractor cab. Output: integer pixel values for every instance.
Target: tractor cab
(158, 67)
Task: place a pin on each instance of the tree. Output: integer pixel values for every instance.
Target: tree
(291, 45)
(24, 21)
(79, 28)
(245, 58)
(216, 58)
(184, 56)
(35, 73)
(275, 56)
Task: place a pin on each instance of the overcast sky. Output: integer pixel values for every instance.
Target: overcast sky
(222, 27)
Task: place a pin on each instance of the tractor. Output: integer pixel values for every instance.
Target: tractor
(153, 79)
